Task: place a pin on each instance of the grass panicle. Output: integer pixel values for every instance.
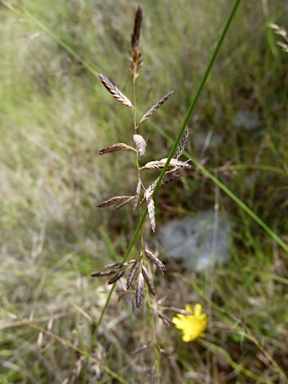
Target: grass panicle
(143, 194)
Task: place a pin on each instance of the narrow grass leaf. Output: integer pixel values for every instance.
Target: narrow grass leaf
(119, 96)
(154, 108)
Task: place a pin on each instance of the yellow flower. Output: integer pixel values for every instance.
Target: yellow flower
(192, 326)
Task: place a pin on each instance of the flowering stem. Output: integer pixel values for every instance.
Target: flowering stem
(177, 140)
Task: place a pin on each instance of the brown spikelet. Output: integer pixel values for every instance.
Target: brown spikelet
(124, 202)
(154, 108)
(170, 177)
(139, 290)
(116, 265)
(116, 147)
(103, 273)
(135, 64)
(182, 144)
(135, 38)
(115, 91)
(113, 200)
(135, 55)
(116, 277)
(136, 197)
(148, 280)
(140, 144)
(132, 273)
(155, 260)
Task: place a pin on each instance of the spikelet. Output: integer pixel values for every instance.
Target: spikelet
(182, 144)
(148, 280)
(115, 91)
(135, 55)
(113, 200)
(154, 108)
(115, 148)
(136, 197)
(116, 277)
(139, 290)
(140, 144)
(176, 164)
(125, 202)
(155, 260)
(103, 273)
(151, 209)
(133, 271)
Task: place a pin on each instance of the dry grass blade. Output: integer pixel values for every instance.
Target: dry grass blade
(116, 277)
(139, 290)
(151, 210)
(136, 197)
(132, 273)
(125, 202)
(115, 148)
(140, 143)
(154, 108)
(182, 144)
(148, 280)
(115, 91)
(113, 200)
(158, 263)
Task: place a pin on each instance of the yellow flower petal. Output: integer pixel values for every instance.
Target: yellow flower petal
(188, 308)
(192, 326)
(197, 309)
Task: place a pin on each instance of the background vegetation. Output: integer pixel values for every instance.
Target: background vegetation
(54, 118)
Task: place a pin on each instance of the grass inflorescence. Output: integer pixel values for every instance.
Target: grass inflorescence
(59, 325)
(138, 271)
